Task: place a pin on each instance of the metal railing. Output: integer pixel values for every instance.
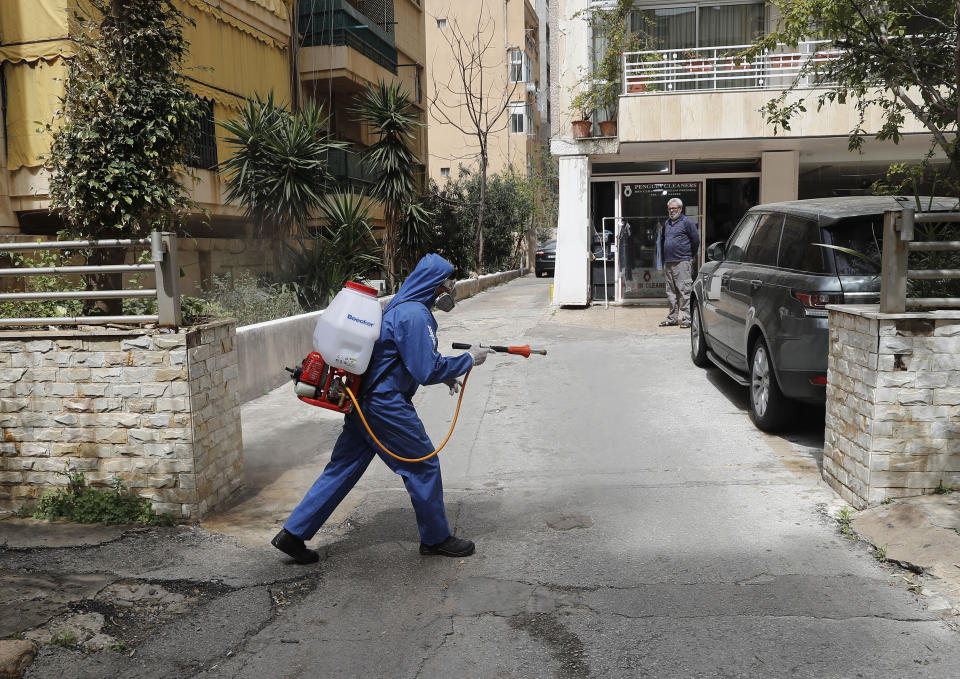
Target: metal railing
(163, 263)
(898, 243)
(337, 22)
(725, 67)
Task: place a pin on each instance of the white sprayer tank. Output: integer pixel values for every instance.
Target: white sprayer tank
(348, 328)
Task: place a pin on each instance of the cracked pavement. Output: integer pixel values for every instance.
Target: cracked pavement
(629, 521)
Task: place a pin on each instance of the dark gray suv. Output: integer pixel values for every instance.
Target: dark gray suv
(758, 306)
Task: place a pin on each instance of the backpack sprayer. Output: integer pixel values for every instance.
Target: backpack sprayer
(330, 377)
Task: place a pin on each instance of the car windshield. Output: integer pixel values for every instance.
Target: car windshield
(856, 245)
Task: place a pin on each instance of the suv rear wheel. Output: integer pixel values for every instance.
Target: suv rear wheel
(767, 403)
(698, 342)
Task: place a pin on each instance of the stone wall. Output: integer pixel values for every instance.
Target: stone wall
(156, 409)
(893, 403)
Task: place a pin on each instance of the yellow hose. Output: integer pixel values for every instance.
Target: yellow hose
(356, 405)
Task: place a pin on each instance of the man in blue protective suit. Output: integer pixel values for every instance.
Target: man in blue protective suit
(404, 358)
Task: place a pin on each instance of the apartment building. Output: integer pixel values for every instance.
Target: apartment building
(347, 45)
(237, 48)
(689, 126)
(502, 43)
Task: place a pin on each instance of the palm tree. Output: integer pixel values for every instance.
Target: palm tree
(278, 171)
(394, 118)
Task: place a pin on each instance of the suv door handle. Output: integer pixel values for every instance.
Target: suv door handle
(755, 285)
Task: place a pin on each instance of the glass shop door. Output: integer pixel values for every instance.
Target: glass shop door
(643, 208)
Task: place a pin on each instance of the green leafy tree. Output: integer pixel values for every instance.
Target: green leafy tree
(278, 168)
(124, 127)
(394, 119)
(901, 57)
(508, 205)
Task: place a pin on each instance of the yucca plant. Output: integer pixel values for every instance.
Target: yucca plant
(391, 114)
(342, 249)
(278, 170)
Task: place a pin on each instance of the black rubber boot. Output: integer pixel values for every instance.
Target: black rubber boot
(292, 546)
(452, 546)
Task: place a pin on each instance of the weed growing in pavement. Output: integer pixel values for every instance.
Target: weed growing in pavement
(942, 489)
(844, 516)
(64, 639)
(880, 553)
(119, 647)
(18, 636)
(82, 504)
(887, 501)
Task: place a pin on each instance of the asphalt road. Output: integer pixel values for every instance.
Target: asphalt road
(629, 519)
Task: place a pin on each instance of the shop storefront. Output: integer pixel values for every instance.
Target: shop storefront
(628, 211)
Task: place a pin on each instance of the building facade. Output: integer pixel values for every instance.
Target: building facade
(238, 48)
(500, 48)
(347, 45)
(689, 125)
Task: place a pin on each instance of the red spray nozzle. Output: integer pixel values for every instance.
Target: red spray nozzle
(523, 350)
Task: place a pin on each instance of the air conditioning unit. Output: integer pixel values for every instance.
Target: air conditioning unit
(531, 88)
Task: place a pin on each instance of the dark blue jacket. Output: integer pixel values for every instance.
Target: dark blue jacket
(406, 354)
(680, 240)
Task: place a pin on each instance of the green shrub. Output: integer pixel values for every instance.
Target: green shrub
(81, 504)
(251, 299)
(45, 283)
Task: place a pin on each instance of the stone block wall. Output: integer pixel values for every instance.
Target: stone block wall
(893, 403)
(157, 409)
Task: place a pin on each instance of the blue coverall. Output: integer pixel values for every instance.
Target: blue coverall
(403, 358)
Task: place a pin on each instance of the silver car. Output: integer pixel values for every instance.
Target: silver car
(758, 306)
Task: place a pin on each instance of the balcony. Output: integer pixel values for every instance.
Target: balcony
(347, 170)
(715, 95)
(337, 22)
(707, 69)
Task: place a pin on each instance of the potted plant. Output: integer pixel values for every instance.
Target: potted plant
(598, 89)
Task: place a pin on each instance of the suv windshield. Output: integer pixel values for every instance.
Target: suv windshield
(860, 238)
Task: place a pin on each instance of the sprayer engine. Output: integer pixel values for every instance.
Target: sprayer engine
(320, 384)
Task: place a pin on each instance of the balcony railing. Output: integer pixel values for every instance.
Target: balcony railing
(724, 68)
(337, 22)
(347, 170)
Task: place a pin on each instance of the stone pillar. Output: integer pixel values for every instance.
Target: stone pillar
(893, 403)
(157, 410)
(779, 176)
(571, 280)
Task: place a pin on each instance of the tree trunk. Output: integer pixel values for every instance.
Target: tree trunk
(390, 248)
(483, 201)
(104, 281)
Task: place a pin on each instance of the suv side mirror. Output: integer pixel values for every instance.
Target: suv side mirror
(715, 252)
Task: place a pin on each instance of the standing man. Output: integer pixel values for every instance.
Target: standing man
(404, 358)
(679, 241)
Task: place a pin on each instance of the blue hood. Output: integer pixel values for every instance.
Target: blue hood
(422, 282)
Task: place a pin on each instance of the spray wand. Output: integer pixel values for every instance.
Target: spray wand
(524, 350)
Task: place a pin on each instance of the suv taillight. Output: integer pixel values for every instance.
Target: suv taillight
(817, 300)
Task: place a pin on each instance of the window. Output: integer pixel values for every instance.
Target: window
(765, 242)
(798, 249)
(441, 23)
(518, 117)
(699, 25)
(517, 70)
(738, 241)
(863, 235)
(203, 151)
(444, 171)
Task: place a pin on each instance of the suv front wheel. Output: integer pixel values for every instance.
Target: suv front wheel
(767, 403)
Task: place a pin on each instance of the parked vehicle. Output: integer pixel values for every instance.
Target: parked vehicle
(546, 259)
(758, 307)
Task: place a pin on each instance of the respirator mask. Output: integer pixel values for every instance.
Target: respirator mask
(445, 300)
